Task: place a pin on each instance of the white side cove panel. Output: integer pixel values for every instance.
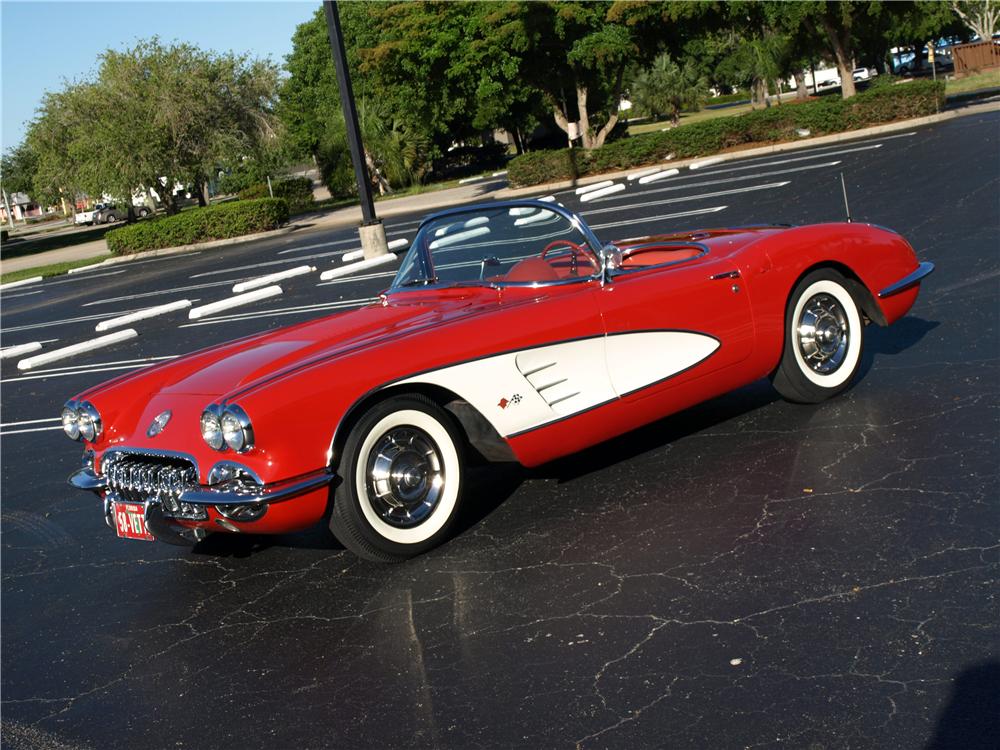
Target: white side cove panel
(520, 391)
(636, 360)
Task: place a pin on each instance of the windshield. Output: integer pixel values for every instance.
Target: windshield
(506, 244)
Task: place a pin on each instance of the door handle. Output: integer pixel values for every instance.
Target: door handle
(725, 275)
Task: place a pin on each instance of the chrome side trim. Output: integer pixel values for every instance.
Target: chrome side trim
(240, 493)
(908, 281)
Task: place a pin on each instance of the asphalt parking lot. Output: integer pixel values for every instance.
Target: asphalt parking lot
(746, 573)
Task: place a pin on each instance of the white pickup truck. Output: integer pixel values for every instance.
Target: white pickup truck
(87, 217)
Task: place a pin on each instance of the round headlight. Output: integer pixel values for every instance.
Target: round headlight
(236, 429)
(232, 432)
(69, 423)
(211, 430)
(88, 421)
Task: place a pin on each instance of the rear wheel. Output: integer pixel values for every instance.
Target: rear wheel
(403, 471)
(824, 336)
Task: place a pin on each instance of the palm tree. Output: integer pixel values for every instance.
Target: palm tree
(665, 88)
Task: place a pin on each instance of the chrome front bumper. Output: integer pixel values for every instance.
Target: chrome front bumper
(234, 493)
(228, 493)
(910, 280)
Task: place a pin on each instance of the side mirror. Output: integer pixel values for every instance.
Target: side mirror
(611, 261)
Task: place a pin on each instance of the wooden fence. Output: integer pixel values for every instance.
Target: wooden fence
(976, 56)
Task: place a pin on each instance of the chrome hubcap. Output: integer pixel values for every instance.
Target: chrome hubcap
(823, 334)
(405, 476)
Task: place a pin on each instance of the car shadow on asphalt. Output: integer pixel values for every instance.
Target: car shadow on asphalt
(900, 336)
(971, 719)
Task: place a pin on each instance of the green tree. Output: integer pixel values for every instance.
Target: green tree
(578, 55)
(981, 16)
(155, 115)
(665, 88)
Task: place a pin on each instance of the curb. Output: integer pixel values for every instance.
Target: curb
(775, 148)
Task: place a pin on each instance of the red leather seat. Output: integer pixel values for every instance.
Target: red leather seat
(531, 269)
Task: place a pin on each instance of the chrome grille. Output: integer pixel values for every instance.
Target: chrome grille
(141, 478)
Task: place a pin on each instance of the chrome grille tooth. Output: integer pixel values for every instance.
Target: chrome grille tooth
(141, 478)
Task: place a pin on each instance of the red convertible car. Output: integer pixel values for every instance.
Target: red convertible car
(510, 333)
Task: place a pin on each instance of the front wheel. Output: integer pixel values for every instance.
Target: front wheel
(403, 471)
(824, 336)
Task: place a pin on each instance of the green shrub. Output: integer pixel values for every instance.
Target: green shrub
(296, 190)
(217, 222)
(828, 114)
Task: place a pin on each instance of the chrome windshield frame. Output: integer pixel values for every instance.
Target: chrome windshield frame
(426, 263)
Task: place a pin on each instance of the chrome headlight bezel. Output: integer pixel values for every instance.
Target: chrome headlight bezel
(89, 421)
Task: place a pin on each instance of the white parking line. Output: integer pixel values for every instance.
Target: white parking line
(675, 183)
(49, 283)
(795, 159)
(363, 277)
(149, 312)
(60, 372)
(240, 299)
(317, 246)
(30, 429)
(696, 212)
(83, 346)
(98, 366)
(158, 292)
(267, 264)
(23, 294)
(282, 311)
(397, 244)
(245, 286)
(30, 421)
(64, 321)
(681, 199)
(452, 239)
(17, 351)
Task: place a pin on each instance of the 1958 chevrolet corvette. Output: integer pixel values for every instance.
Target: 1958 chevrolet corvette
(510, 332)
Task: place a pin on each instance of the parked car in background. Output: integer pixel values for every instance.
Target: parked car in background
(864, 74)
(111, 213)
(511, 332)
(87, 217)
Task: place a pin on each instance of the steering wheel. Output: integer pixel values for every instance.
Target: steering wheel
(574, 248)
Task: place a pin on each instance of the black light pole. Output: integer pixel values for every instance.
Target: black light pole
(372, 232)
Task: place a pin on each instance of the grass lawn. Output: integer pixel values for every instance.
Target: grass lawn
(45, 271)
(987, 79)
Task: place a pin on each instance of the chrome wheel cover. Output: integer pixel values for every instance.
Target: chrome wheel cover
(823, 334)
(405, 476)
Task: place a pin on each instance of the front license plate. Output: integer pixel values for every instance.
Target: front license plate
(129, 523)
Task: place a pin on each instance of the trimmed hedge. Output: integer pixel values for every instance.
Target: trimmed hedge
(217, 222)
(296, 190)
(828, 114)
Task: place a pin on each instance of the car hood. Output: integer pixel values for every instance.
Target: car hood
(221, 372)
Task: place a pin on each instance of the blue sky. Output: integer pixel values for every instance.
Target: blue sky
(42, 43)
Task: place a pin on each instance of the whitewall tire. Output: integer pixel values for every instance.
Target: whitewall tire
(824, 339)
(402, 475)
